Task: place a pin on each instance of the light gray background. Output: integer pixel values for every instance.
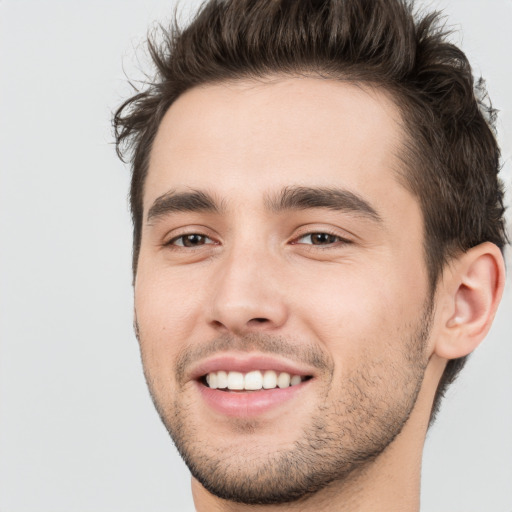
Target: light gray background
(78, 432)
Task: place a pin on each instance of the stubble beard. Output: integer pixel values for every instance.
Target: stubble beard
(342, 437)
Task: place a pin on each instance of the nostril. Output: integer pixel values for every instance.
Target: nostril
(260, 320)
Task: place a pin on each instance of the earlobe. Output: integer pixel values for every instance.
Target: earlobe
(476, 281)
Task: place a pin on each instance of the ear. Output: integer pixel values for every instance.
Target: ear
(472, 288)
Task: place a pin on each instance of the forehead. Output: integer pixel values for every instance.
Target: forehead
(242, 139)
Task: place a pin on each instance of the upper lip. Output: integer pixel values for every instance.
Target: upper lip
(246, 362)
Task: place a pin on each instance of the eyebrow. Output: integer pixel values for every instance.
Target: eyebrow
(288, 199)
(193, 201)
(305, 198)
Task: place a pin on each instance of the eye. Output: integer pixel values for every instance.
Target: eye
(191, 240)
(320, 239)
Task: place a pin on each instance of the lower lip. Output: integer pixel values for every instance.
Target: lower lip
(249, 404)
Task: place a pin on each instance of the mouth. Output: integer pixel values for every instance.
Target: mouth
(249, 385)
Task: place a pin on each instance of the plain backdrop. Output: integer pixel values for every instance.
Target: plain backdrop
(78, 432)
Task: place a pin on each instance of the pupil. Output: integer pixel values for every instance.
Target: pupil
(322, 238)
(191, 240)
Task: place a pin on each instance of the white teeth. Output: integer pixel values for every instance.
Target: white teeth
(222, 380)
(236, 381)
(293, 381)
(251, 381)
(211, 378)
(283, 381)
(269, 379)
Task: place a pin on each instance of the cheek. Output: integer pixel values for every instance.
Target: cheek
(167, 311)
(350, 309)
(370, 328)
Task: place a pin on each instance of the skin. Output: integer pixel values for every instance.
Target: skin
(360, 300)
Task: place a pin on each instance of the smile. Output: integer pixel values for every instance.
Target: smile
(249, 385)
(252, 381)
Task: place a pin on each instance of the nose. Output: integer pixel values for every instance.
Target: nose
(246, 295)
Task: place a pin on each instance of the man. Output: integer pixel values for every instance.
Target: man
(318, 227)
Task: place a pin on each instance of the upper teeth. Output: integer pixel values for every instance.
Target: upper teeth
(251, 381)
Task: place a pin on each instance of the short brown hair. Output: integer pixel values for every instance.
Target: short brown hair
(451, 154)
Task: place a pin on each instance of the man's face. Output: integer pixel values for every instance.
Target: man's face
(278, 245)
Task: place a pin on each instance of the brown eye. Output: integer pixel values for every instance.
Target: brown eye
(191, 240)
(319, 239)
(323, 238)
